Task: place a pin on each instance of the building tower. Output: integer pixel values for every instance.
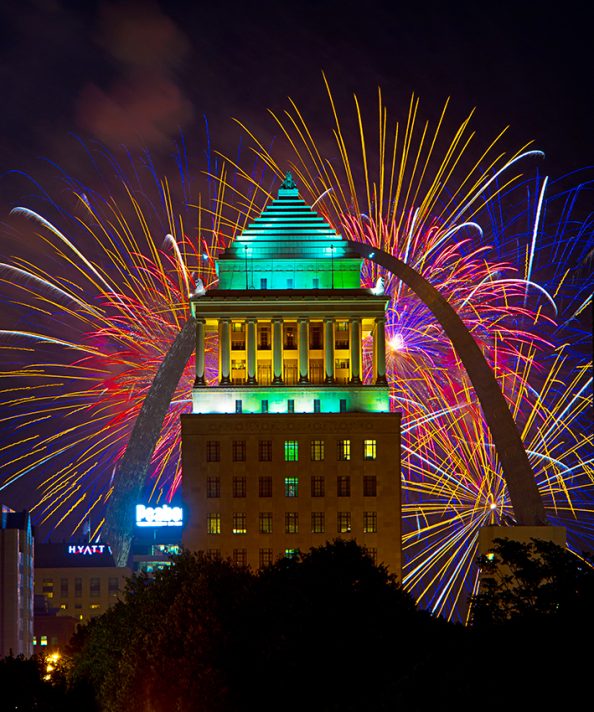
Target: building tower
(294, 445)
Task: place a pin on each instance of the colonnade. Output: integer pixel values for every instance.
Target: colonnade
(224, 331)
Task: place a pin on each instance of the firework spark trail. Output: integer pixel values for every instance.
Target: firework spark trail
(122, 302)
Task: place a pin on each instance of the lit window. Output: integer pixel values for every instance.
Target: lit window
(64, 606)
(265, 486)
(240, 557)
(291, 553)
(317, 450)
(344, 449)
(239, 486)
(291, 523)
(265, 558)
(290, 283)
(263, 283)
(213, 451)
(343, 486)
(291, 486)
(369, 522)
(369, 449)
(344, 522)
(265, 406)
(48, 587)
(290, 406)
(213, 487)
(265, 520)
(239, 523)
(213, 523)
(291, 450)
(237, 326)
(43, 640)
(317, 405)
(317, 486)
(238, 406)
(343, 405)
(265, 449)
(239, 451)
(369, 486)
(341, 364)
(318, 522)
(34, 640)
(95, 606)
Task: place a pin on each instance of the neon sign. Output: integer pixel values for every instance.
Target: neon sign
(163, 516)
(88, 549)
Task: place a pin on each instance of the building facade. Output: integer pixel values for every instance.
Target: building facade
(16, 583)
(290, 443)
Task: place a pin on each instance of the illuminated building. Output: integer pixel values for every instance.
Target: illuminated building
(294, 445)
(16, 583)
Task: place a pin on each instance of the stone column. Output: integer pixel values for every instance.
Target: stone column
(379, 347)
(355, 350)
(329, 350)
(303, 350)
(225, 351)
(200, 324)
(251, 351)
(277, 350)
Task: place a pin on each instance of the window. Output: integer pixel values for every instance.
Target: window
(290, 283)
(214, 553)
(237, 327)
(95, 606)
(342, 335)
(64, 588)
(213, 451)
(317, 407)
(291, 523)
(316, 282)
(240, 557)
(372, 553)
(315, 336)
(239, 451)
(95, 586)
(344, 522)
(317, 486)
(343, 486)
(239, 406)
(213, 523)
(265, 486)
(317, 450)
(341, 364)
(291, 486)
(263, 283)
(344, 450)
(265, 558)
(43, 640)
(264, 337)
(369, 522)
(265, 522)
(113, 585)
(291, 450)
(265, 449)
(290, 406)
(343, 407)
(318, 522)
(48, 587)
(265, 406)
(213, 487)
(239, 523)
(78, 587)
(239, 486)
(291, 553)
(290, 337)
(369, 449)
(369, 486)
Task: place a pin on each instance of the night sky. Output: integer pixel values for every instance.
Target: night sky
(139, 72)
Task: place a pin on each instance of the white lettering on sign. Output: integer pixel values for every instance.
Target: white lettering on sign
(163, 516)
(88, 549)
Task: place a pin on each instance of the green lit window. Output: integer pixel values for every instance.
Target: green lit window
(317, 405)
(318, 522)
(317, 450)
(291, 486)
(265, 558)
(291, 450)
(213, 523)
(369, 486)
(43, 640)
(290, 406)
(344, 522)
(239, 523)
(343, 486)
(213, 487)
(317, 486)
(369, 449)
(344, 450)
(265, 521)
(369, 522)
(264, 405)
(291, 553)
(239, 486)
(291, 522)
